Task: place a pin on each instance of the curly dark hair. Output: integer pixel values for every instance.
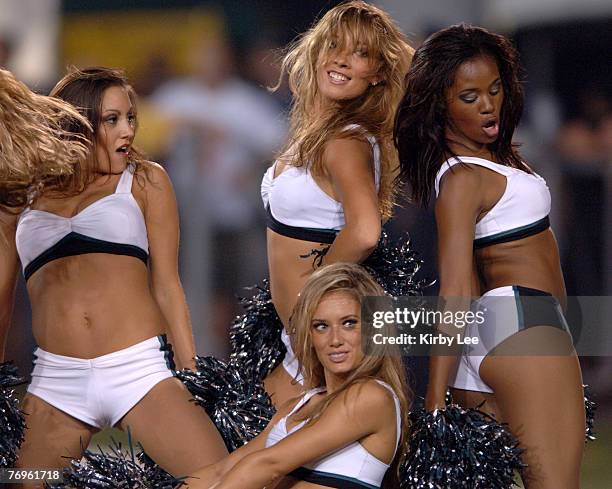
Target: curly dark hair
(421, 117)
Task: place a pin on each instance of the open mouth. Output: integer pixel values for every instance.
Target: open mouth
(337, 78)
(125, 149)
(491, 128)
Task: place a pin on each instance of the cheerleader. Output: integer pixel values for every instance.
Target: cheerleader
(99, 256)
(328, 437)
(332, 186)
(454, 133)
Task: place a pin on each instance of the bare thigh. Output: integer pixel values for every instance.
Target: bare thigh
(281, 387)
(173, 430)
(52, 437)
(541, 399)
(484, 401)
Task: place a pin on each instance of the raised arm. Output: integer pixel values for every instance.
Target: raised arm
(457, 209)
(161, 215)
(348, 163)
(8, 275)
(347, 420)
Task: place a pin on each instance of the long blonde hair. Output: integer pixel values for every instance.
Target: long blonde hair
(386, 365)
(353, 23)
(37, 151)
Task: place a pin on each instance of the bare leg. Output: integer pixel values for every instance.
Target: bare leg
(472, 399)
(173, 430)
(281, 387)
(52, 437)
(541, 399)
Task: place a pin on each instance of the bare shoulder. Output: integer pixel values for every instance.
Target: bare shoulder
(348, 150)
(152, 176)
(349, 161)
(460, 176)
(364, 398)
(460, 184)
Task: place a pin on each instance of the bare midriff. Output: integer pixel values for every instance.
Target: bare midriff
(89, 305)
(288, 272)
(530, 262)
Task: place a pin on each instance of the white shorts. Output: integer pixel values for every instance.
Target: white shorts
(504, 317)
(290, 362)
(100, 391)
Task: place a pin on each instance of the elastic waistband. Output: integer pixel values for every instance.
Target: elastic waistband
(156, 343)
(512, 290)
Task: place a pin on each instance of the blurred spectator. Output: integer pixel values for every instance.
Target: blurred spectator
(226, 131)
(584, 151)
(262, 67)
(156, 71)
(581, 139)
(5, 52)
(585, 148)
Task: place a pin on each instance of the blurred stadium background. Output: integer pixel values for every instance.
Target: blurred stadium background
(201, 68)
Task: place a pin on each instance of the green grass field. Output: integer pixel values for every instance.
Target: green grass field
(597, 466)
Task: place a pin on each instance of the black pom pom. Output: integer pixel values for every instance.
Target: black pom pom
(589, 407)
(255, 337)
(232, 396)
(459, 448)
(12, 422)
(117, 469)
(394, 265)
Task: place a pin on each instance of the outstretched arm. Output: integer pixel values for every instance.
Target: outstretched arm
(161, 216)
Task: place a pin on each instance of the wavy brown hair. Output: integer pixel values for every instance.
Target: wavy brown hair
(421, 119)
(385, 365)
(84, 89)
(38, 151)
(349, 24)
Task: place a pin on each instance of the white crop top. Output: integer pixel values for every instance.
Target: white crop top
(295, 202)
(352, 466)
(113, 224)
(521, 211)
